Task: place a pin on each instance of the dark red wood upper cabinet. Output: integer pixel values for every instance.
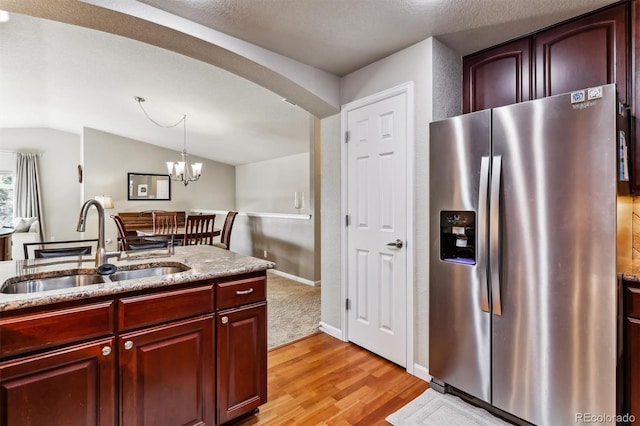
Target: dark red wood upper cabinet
(497, 77)
(587, 52)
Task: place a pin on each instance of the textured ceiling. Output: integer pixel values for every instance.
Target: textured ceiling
(65, 77)
(340, 36)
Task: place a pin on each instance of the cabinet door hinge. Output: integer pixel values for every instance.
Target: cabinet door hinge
(347, 220)
(347, 304)
(347, 136)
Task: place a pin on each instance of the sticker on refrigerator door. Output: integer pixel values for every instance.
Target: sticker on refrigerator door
(578, 96)
(594, 93)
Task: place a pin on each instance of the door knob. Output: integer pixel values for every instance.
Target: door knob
(128, 344)
(396, 243)
(106, 350)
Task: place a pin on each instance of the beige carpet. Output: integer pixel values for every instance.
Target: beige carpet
(293, 310)
(435, 409)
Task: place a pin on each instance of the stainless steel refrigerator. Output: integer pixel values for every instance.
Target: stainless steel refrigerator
(523, 286)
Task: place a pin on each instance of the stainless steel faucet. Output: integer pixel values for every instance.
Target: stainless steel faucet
(101, 252)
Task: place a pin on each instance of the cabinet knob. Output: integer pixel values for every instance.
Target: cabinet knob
(128, 344)
(225, 320)
(106, 350)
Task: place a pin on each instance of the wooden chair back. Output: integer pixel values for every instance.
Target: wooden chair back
(61, 252)
(144, 219)
(225, 236)
(45, 249)
(129, 240)
(198, 229)
(122, 232)
(165, 222)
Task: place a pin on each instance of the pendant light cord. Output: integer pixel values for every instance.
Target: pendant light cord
(182, 120)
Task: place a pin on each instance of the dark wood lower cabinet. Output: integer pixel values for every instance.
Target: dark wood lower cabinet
(166, 374)
(242, 360)
(158, 357)
(72, 386)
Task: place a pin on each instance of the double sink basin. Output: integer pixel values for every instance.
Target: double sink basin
(82, 277)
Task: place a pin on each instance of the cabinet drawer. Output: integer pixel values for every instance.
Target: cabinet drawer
(632, 301)
(24, 333)
(149, 309)
(242, 292)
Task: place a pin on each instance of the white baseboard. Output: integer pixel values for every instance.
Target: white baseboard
(295, 278)
(331, 331)
(421, 372)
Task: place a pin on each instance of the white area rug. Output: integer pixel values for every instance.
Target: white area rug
(435, 409)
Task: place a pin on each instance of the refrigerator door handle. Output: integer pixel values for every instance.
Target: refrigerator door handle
(494, 235)
(482, 234)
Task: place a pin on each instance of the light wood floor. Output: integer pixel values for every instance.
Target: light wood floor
(320, 380)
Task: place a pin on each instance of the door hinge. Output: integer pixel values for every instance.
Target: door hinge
(347, 136)
(347, 220)
(347, 304)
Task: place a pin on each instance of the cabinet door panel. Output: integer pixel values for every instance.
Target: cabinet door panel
(497, 77)
(591, 51)
(74, 386)
(242, 360)
(167, 374)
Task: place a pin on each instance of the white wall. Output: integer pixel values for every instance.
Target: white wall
(417, 64)
(57, 163)
(108, 158)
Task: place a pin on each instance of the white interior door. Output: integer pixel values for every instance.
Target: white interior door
(376, 206)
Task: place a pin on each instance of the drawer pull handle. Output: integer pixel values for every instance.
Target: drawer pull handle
(128, 344)
(225, 320)
(106, 350)
(241, 292)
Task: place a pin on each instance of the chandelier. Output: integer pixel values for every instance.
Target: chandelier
(179, 171)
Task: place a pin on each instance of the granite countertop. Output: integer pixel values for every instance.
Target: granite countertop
(206, 262)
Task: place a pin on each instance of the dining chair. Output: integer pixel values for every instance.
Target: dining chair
(165, 222)
(61, 252)
(46, 249)
(225, 235)
(198, 229)
(129, 240)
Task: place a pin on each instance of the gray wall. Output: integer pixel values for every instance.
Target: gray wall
(108, 158)
(268, 186)
(420, 63)
(291, 241)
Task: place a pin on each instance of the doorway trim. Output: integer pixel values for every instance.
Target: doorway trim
(407, 89)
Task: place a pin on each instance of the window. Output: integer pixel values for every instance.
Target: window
(6, 198)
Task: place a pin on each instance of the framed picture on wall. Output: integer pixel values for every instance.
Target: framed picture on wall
(143, 190)
(146, 186)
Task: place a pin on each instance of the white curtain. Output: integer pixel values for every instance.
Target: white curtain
(27, 198)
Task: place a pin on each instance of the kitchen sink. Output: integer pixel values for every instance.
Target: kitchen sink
(154, 271)
(51, 283)
(83, 277)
